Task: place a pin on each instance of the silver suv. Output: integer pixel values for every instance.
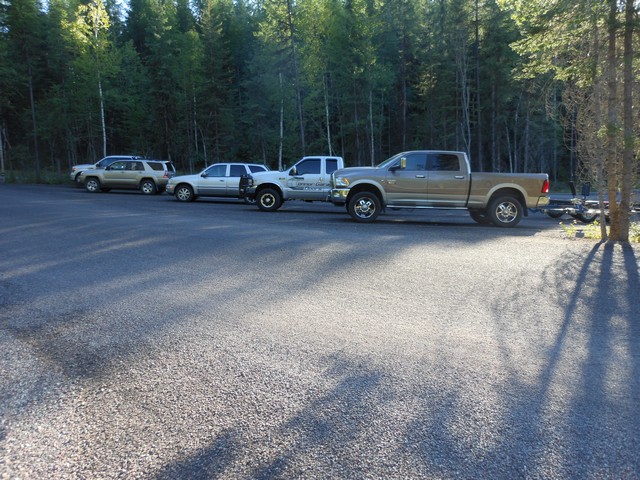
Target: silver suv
(218, 180)
(148, 176)
(76, 170)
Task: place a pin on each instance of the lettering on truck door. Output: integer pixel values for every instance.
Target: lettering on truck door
(408, 186)
(448, 181)
(306, 179)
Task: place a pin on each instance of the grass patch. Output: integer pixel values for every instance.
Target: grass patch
(47, 177)
(591, 231)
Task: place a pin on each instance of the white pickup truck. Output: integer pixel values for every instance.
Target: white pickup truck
(309, 180)
(442, 180)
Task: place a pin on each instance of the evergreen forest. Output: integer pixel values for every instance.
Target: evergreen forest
(268, 81)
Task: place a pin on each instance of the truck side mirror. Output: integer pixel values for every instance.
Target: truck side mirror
(401, 166)
(293, 171)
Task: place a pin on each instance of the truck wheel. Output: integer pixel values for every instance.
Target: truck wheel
(92, 184)
(184, 193)
(505, 211)
(555, 214)
(364, 207)
(268, 200)
(480, 216)
(148, 187)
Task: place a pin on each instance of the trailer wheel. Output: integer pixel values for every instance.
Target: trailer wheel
(586, 217)
(505, 211)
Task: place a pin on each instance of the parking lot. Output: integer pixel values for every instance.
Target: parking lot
(142, 337)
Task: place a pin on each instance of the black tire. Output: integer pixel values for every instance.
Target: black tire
(505, 211)
(555, 214)
(148, 187)
(184, 193)
(250, 201)
(92, 185)
(480, 216)
(586, 217)
(364, 207)
(268, 200)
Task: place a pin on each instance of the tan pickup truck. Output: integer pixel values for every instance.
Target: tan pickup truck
(438, 179)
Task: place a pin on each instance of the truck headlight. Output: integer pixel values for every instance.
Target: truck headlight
(342, 182)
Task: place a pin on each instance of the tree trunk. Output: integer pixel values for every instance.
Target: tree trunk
(34, 123)
(479, 158)
(296, 73)
(326, 113)
(371, 132)
(613, 171)
(102, 118)
(281, 123)
(627, 109)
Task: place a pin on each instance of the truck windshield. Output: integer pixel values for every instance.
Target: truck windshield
(390, 161)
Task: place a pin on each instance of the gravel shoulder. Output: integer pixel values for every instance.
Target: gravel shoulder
(144, 338)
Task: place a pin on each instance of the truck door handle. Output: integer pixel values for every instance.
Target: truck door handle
(459, 177)
(419, 176)
(299, 178)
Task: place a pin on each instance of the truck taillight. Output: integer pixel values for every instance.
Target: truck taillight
(545, 186)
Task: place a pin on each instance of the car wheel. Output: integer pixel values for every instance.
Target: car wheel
(92, 184)
(364, 207)
(184, 193)
(250, 201)
(480, 216)
(148, 187)
(505, 211)
(268, 200)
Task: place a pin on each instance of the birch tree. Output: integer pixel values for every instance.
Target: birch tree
(90, 29)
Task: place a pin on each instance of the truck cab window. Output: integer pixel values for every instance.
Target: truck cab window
(416, 162)
(444, 162)
(306, 167)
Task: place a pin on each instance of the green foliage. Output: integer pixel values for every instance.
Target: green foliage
(205, 81)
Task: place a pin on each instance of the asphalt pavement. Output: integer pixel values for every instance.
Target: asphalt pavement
(143, 338)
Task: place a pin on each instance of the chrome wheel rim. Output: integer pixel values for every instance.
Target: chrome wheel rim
(506, 212)
(365, 208)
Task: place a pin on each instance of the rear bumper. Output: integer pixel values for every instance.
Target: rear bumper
(542, 201)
